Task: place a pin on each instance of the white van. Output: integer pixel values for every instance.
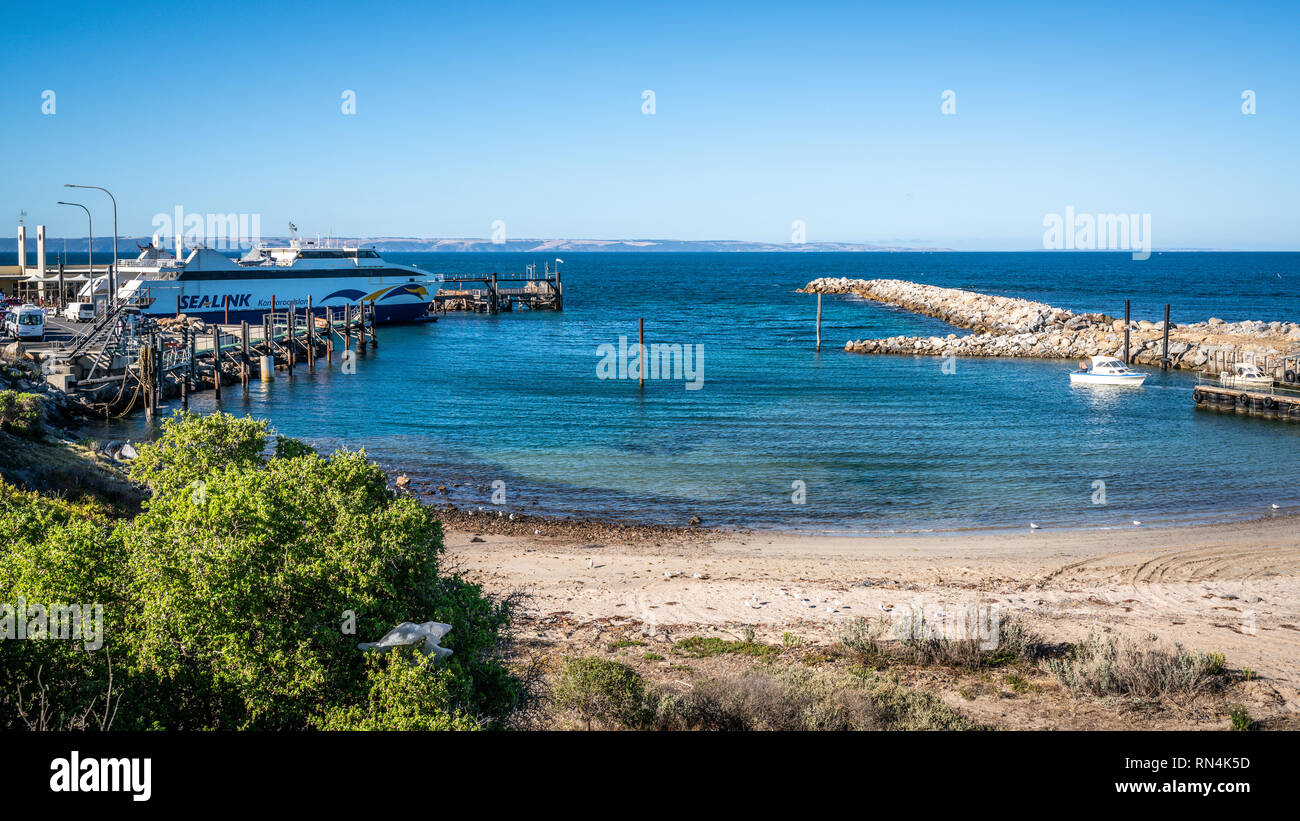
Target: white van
(26, 323)
(79, 312)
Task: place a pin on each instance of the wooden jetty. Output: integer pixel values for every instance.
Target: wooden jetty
(177, 357)
(534, 291)
(1274, 402)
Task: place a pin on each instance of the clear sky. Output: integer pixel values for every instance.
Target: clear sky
(531, 113)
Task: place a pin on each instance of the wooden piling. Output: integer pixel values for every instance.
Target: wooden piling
(1126, 324)
(374, 326)
(216, 361)
(1164, 356)
(193, 369)
(311, 337)
(185, 373)
(819, 321)
(243, 353)
(291, 332)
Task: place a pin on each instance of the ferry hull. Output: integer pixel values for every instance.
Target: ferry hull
(396, 298)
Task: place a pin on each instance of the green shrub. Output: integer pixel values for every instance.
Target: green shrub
(701, 647)
(22, 414)
(227, 599)
(1241, 719)
(606, 692)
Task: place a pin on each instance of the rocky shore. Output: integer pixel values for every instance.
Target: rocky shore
(1008, 327)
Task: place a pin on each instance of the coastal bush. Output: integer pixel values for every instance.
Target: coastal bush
(918, 642)
(237, 597)
(22, 414)
(600, 691)
(608, 694)
(57, 553)
(1146, 670)
(705, 646)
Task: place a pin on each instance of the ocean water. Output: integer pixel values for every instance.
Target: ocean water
(779, 436)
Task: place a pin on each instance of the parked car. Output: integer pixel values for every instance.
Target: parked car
(79, 312)
(26, 323)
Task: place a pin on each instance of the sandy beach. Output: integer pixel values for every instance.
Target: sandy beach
(1229, 588)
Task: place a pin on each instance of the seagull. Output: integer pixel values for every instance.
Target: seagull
(500, 514)
(1033, 526)
(1277, 507)
(1136, 523)
(667, 575)
(698, 576)
(512, 517)
(591, 562)
(537, 532)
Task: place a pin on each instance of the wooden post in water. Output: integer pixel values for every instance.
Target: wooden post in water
(1164, 357)
(291, 333)
(157, 369)
(185, 374)
(819, 322)
(374, 326)
(243, 353)
(641, 357)
(193, 368)
(347, 327)
(329, 337)
(311, 337)
(146, 378)
(492, 295)
(1126, 320)
(216, 360)
(227, 307)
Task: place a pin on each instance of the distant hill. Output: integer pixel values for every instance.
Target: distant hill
(55, 245)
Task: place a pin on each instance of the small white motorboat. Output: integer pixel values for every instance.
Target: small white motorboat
(1245, 375)
(1107, 370)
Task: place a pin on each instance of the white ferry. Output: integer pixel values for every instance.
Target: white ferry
(214, 287)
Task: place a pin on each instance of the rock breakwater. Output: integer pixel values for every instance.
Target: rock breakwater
(1008, 327)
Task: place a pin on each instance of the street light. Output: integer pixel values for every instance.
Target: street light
(112, 276)
(90, 250)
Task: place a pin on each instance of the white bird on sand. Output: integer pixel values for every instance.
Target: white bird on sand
(755, 603)
(698, 576)
(1033, 526)
(500, 514)
(1136, 523)
(512, 517)
(537, 532)
(591, 562)
(667, 575)
(1276, 507)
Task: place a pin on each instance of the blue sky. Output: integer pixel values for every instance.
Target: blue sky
(765, 114)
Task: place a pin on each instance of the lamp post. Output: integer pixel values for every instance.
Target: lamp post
(90, 251)
(112, 276)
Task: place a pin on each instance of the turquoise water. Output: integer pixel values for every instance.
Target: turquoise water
(880, 443)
